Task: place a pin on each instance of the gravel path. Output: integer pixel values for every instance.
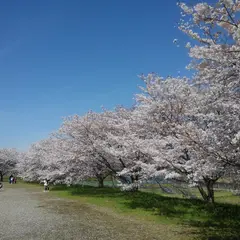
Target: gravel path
(32, 214)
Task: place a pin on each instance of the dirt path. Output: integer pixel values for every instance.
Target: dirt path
(29, 213)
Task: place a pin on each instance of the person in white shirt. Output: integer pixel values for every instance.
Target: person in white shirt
(45, 183)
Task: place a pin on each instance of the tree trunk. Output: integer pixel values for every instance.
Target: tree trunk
(112, 178)
(100, 182)
(134, 180)
(203, 193)
(1, 176)
(160, 185)
(208, 195)
(210, 191)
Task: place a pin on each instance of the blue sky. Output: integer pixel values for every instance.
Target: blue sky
(59, 58)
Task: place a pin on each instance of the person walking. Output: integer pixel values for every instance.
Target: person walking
(45, 183)
(10, 179)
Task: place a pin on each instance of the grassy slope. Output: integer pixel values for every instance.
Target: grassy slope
(219, 222)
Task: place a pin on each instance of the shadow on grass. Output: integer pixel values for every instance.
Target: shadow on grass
(218, 222)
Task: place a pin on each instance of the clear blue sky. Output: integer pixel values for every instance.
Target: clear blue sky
(59, 58)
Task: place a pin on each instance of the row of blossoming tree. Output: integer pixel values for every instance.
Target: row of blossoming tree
(185, 129)
(8, 160)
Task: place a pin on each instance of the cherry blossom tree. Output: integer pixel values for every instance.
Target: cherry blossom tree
(216, 33)
(49, 159)
(85, 136)
(128, 146)
(93, 136)
(8, 160)
(188, 139)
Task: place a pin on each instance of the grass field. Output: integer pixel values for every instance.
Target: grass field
(218, 222)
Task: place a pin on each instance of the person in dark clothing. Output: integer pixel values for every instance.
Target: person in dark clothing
(10, 179)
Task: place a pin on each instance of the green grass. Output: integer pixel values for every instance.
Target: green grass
(222, 196)
(219, 222)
